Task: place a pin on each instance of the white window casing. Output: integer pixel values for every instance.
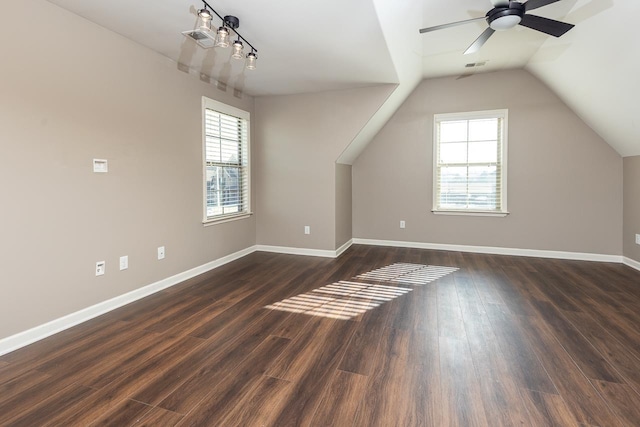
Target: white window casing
(226, 162)
(470, 163)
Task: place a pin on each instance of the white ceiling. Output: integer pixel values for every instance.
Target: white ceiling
(331, 45)
(300, 48)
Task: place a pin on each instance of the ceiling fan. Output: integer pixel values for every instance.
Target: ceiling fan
(506, 15)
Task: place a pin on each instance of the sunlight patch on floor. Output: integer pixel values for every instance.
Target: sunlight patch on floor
(341, 300)
(347, 299)
(405, 273)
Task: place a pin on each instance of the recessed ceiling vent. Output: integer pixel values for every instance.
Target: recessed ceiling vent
(475, 64)
(201, 37)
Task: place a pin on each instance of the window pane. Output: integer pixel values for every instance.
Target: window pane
(453, 187)
(453, 152)
(483, 152)
(224, 190)
(226, 157)
(213, 191)
(230, 187)
(229, 152)
(483, 130)
(453, 131)
(482, 187)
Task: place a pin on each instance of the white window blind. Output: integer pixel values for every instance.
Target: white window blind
(470, 162)
(226, 155)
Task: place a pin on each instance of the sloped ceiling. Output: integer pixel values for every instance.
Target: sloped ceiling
(595, 69)
(333, 45)
(301, 48)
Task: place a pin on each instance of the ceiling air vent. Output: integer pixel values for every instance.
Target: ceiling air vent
(200, 37)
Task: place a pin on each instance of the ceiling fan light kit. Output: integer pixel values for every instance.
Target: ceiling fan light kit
(505, 18)
(506, 15)
(206, 38)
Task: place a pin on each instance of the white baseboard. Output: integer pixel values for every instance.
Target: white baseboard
(304, 251)
(631, 263)
(494, 250)
(296, 251)
(344, 247)
(37, 333)
(32, 335)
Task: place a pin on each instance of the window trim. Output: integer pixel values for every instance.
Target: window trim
(211, 104)
(472, 115)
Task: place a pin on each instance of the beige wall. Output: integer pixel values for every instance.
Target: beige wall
(564, 182)
(297, 140)
(70, 92)
(343, 204)
(631, 207)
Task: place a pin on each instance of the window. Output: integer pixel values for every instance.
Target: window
(226, 161)
(470, 163)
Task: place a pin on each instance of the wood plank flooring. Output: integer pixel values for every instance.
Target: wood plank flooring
(501, 341)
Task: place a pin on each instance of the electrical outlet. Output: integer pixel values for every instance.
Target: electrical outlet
(637, 239)
(124, 262)
(307, 229)
(161, 252)
(101, 267)
(402, 224)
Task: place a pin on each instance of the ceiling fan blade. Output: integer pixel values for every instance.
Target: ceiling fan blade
(534, 4)
(545, 25)
(476, 45)
(449, 25)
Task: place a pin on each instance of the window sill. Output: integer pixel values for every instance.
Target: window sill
(210, 222)
(470, 213)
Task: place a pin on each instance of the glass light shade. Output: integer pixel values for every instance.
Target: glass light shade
(505, 22)
(204, 14)
(237, 50)
(204, 24)
(251, 60)
(222, 37)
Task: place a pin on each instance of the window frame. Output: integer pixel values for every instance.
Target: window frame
(222, 108)
(472, 115)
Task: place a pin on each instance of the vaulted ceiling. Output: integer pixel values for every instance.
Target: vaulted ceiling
(333, 45)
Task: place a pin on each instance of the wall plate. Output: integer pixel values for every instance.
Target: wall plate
(101, 267)
(100, 166)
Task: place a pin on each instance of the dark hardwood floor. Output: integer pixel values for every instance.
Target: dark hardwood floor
(280, 340)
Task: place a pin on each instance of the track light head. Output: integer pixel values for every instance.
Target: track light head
(204, 14)
(222, 37)
(251, 60)
(237, 50)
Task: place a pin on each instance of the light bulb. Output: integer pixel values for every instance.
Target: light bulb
(204, 14)
(222, 38)
(237, 50)
(251, 60)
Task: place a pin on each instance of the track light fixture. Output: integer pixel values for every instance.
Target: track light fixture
(204, 20)
(222, 37)
(251, 60)
(207, 38)
(204, 14)
(238, 48)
